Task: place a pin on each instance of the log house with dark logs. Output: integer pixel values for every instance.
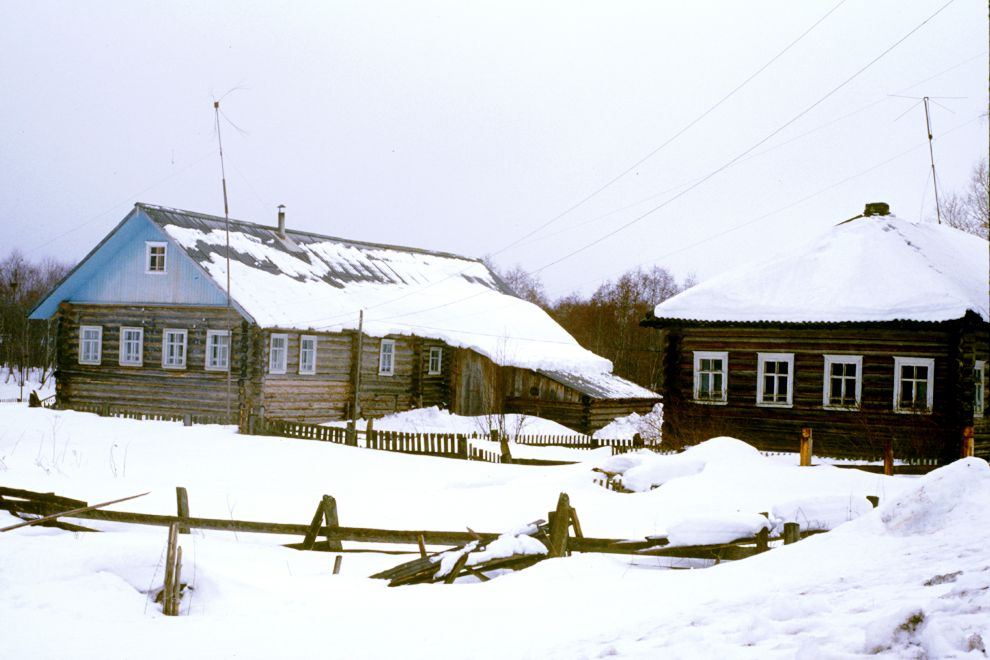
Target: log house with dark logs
(877, 330)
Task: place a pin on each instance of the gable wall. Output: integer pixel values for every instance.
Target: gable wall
(114, 274)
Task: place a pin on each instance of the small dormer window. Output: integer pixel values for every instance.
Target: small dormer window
(154, 257)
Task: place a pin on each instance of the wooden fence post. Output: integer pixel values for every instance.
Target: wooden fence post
(370, 440)
(503, 442)
(792, 533)
(351, 434)
(336, 564)
(968, 443)
(888, 457)
(462, 447)
(806, 446)
(559, 522)
(182, 506)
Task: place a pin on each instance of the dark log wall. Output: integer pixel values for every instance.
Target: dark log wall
(474, 384)
(861, 433)
(149, 388)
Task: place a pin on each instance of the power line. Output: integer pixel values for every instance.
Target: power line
(750, 149)
(674, 137)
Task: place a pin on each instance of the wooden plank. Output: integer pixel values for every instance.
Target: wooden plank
(81, 512)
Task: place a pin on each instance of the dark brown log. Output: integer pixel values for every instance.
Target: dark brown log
(456, 570)
(81, 512)
(559, 522)
(182, 506)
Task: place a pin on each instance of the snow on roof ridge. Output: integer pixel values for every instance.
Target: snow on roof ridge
(302, 232)
(867, 269)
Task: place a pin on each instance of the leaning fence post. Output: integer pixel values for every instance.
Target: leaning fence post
(182, 505)
(968, 444)
(888, 457)
(806, 448)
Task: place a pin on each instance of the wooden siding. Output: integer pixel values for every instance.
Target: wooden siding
(324, 396)
(149, 388)
(861, 433)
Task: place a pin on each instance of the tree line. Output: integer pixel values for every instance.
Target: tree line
(23, 283)
(607, 321)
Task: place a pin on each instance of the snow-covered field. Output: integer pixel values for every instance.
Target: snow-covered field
(910, 579)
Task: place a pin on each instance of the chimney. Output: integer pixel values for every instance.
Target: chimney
(280, 232)
(877, 208)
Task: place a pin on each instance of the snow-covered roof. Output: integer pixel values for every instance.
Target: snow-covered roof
(600, 385)
(873, 268)
(311, 282)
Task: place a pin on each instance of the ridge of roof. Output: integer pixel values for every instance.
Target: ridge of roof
(152, 208)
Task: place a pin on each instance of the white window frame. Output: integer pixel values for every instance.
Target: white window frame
(929, 388)
(214, 346)
(761, 361)
(148, 246)
(856, 361)
(278, 358)
(435, 352)
(711, 355)
(124, 358)
(386, 358)
(168, 361)
(979, 388)
(87, 356)
(307, 369)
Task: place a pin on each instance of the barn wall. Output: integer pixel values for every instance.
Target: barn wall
(838, 433)
(149, 388)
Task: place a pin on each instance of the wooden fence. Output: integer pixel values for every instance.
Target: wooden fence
(445, 445)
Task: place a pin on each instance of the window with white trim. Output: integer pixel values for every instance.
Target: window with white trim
(174, 348)
(155, 253)
(775, 379)
(843, 389)
(436, 357)
(278, 353)
(979, 388)
(90, 344)
(711, 376)
(217, 350)
(913, 380)
(307, 354)
(386, 358)
(131, 347)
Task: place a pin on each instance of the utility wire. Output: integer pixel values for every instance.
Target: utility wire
(679, 133)
(747, 151)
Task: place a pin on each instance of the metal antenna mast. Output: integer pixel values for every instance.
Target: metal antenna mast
(226, 222)
(931, 156)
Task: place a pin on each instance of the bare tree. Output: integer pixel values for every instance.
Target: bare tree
(525, 285)
(25, 344)
(969, 209)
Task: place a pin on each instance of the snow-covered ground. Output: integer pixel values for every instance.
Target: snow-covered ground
(910, 579)
(10, 384)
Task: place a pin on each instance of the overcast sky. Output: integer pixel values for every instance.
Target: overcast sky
(467, 127)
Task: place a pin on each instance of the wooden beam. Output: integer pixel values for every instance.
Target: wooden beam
(73, 512)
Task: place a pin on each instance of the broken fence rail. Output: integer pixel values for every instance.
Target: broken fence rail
(49, 504)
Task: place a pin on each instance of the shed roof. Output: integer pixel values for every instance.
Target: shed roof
(873, 268)
(309, 281)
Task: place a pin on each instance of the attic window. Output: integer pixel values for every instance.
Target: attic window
(710, 377)
(913, 385)
(154, 257)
